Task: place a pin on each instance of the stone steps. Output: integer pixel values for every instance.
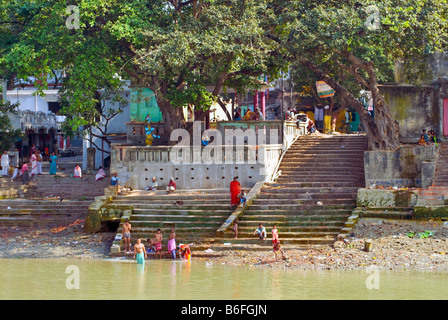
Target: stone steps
(267, 244)
(195, 215)
(46, 185)
(292, 192)
(398, 213)
(314, 169)
(29, 213)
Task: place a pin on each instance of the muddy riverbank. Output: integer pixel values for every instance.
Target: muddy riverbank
(396, 245)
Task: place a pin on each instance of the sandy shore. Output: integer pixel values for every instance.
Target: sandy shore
(393, 248)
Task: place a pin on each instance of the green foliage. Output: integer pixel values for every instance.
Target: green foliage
(324, 32)
(180, 48)
(193, 94)
(8, 135)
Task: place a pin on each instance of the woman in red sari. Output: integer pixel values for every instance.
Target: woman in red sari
(235, 190)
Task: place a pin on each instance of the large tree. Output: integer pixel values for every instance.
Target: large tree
(352, 46)
(176, 48)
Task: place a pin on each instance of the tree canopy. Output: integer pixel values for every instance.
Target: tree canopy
(353, 45)
(179, 48)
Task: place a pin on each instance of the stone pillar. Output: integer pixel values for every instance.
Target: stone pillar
(263, 104)
(91, 159)
(255, 99)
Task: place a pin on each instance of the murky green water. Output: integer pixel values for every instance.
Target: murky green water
(201, 280)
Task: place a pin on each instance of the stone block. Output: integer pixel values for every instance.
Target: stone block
(386, 198)
(115, 249)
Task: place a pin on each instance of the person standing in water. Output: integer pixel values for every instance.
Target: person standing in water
(140, 252)
(172, 244)
(158, 243)
(127, 236)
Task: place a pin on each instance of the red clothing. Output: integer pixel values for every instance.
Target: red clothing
(235, 189)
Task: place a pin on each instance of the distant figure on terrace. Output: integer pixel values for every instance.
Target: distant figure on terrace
(425, 135)
(424, 139)
(433, 139)
(205, 139)
(250, 115)
(100, 175)
(289, 114)
(259, 114)
(25, 174)
(171, 186)
(5, 163)
(235, 190)
(311, 127)
(39, 161)
(114, 180)
(53, 163)
(77, 173)
(16, 174)
(334, 120)
(33, 164)
(237, 115)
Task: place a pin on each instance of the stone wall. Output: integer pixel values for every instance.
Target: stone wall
(408, 166)
(415, 108)
(386, 198)
(192, 167)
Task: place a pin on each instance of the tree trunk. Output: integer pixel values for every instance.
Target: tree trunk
(173, 117)
(382, 131)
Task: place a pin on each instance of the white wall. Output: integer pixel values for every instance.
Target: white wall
(31, 102)
(116, 125)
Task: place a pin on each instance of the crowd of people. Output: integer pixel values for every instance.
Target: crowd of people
(26, 171)
(427, 138)
(154, 245)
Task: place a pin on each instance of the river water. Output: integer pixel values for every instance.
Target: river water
(62, 279)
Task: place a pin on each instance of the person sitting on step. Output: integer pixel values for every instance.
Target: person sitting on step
(261, 231)
(171, 186)
(153, 185)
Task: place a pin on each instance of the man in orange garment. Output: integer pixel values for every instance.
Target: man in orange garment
(235, 190)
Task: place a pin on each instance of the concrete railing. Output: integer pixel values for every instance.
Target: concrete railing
(194, 167)
(248, 151)
(267, 132)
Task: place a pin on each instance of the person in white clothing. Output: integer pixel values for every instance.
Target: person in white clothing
(33, 164)
(5, 164)
(77, 173)
(39, 162)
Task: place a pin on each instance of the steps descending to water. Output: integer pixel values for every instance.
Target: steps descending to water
(314, 195)
(39, 203)
(10, 189)
(41, 213)
(84, 188)
(437, 193)
(194, 214)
